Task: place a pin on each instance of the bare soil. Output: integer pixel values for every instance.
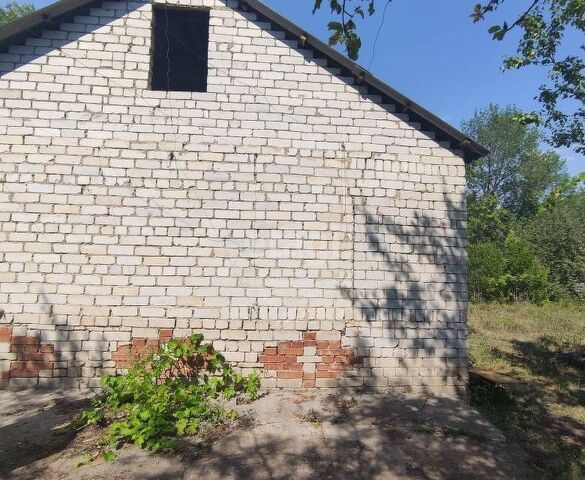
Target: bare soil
(283, 435)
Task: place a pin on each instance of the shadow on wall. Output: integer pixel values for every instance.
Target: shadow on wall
(52, 355)
(413, 328)
(421, 338)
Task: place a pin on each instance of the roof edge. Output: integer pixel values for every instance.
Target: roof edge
(458, 139)
(47, 17)
(51, 15)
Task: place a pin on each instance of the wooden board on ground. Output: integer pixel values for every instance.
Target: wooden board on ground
(494, 377)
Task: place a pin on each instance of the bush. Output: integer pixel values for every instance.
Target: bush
(508, 272)
(173, 392)
(526, 278)
(558, 234)
(486, 270)
(488, 222)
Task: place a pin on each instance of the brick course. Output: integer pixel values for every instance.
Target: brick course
(283, 203)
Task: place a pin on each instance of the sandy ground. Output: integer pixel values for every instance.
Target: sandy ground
(283, 435)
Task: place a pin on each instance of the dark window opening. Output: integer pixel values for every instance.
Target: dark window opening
(180, 49)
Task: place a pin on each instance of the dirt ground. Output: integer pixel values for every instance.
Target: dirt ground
(283, 435)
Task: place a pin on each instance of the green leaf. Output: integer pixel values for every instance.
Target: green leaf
(149, 405)
(335, 26)
(109, 455)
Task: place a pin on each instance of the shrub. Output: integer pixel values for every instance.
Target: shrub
(488, 222)
(508, 272)
(486, 271)
(173, 392)
(526, 278)
(558, 233)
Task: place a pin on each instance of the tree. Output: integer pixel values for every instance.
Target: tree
(488, 222)
(515, 172)
(558, 234)
(543, 24)
(13, 11)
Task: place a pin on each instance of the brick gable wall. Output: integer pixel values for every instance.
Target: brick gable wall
(283, 202)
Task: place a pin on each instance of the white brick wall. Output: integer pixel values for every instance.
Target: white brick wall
(282, 200)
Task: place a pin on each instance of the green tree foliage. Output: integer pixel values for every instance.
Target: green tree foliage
(344, 31)
(13, 11)
(542, 43)
(542, 28)
(515, 172)
(488, 222)
(558, 234)
(526, 216)
(508, 272)
(174, 392)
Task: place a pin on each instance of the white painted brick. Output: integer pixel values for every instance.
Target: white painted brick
(268, 206)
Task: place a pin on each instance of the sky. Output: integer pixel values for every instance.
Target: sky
(432, 52)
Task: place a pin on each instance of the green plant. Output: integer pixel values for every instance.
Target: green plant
(486, 270)
(507, 273)
(558, 234)
(488, 222)
(526, 278)
(175, 391)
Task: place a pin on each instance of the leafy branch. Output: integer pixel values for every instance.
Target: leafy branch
(344, 32)
(544, 24)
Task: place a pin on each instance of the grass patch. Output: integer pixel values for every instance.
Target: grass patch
(545, 347)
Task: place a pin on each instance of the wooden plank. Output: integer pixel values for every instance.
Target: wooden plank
(494, 377)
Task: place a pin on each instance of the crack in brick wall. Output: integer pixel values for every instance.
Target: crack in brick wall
(309, 360)
(24, 357)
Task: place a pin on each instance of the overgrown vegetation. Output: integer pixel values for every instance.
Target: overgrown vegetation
(526, 216)
(175, 391)
(509, 272)
(545, 347)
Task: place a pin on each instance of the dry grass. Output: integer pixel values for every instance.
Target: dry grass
(545, 347)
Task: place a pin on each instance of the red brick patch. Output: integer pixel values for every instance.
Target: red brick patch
(5, 334)
(31, 356)
(284, 359)
(139, 348)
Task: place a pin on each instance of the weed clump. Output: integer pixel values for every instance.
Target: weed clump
(175, 391)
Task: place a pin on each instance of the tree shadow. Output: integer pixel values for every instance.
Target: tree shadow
(549, 358)
(530, 414)
(27, 438)
(419, 317)
(58, 344)
(379, 436)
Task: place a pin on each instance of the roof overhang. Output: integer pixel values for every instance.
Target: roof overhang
(61, 11)
(50, 16)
